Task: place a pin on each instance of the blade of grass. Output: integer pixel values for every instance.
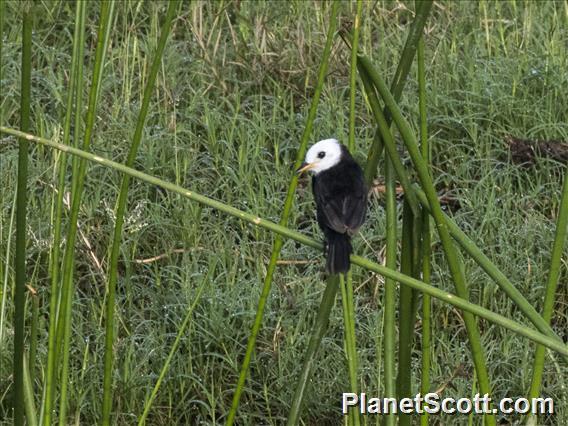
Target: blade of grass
(452, 299)
(181, 331)
(121, 209)
(551, 285)
(75, 85)
(447, 243)
(107, 9)
(21, 207)
(400, 77)
(426, 238)
(318, 332)
(278, 242)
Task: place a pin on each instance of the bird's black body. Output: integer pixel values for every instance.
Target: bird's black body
(341, 200)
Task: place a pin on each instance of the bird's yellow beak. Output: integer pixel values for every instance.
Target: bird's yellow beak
(305, 167)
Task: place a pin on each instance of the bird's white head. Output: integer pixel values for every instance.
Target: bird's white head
(322, 156)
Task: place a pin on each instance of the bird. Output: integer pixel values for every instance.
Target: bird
(340, 194)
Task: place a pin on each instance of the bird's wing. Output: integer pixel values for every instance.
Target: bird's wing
(332, 212)
(345, 214)
(354, 211)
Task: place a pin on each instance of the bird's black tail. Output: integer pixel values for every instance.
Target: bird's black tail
(338, 252)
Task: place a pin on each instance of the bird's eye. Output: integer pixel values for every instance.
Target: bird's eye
(321, 154)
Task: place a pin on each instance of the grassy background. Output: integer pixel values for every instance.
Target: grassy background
(229, 108)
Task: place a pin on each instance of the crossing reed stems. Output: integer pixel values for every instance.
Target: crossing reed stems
(400, 77)
(73, 94)
(449, 298)
(447, 243)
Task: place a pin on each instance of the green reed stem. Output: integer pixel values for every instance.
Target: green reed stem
(107, 9)
(452, 299)
(426, 237)
(121, 208)
(318, 332)
(389, 325)
(353, 76)
(6, 268)
(551, 285)
(406, 316)
(416, 30)
(350, 346)
(386, 137)
(400, 77)
(447, 243)
(346, 285)
(21, 206)
(54, 267)
(278, 242)
(33, 334)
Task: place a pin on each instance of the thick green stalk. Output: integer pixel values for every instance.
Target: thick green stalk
(6, 270)
(389, 325)
(107, 9)
(405, 314)
(74, 85)
(350, 347)
(414, 36)
(278, 242)
(400, 76)
(482, 260)
(347, 285)
(255, 220)
(181, 331)
(447, 243)
(21, 206)
(319, 330)
(121, 208)
(353, 76)
(551, 285)
(426, 238)
(426, 314)
(387, 139)
(33, 335)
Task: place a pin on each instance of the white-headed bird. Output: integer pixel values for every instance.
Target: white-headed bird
(340, 193)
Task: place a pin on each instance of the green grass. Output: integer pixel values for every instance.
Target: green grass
(226, 118)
